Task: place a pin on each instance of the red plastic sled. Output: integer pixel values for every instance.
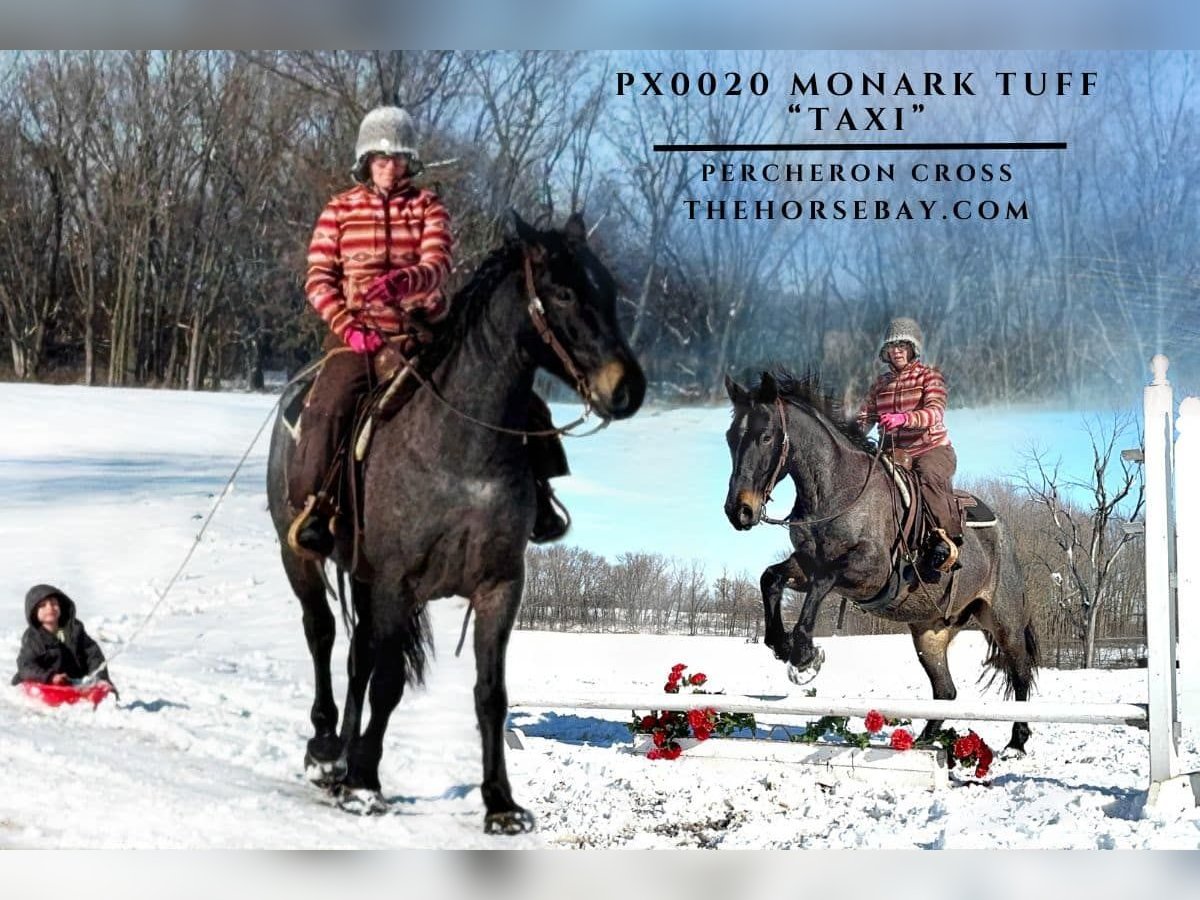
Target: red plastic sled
(58, 694)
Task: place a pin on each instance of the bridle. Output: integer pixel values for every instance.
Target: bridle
(537, 313)
(784, 452)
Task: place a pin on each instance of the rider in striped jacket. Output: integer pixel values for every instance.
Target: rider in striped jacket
(908, 402)
(379, 257)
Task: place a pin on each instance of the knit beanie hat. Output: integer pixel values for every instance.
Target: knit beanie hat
(386, 129)
(902, 329)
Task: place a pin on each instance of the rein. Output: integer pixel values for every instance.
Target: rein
(784, 452)
(537, 313)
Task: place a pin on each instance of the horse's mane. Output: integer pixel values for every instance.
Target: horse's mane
(806, 392)
(468, 302)
(466, 306)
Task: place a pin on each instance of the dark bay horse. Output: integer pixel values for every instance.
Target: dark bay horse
(787, 427)
(449, 502)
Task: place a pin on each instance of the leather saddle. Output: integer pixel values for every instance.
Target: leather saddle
(974, 512)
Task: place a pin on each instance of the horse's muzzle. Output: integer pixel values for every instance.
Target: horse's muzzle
(617, 390)
(744, 509)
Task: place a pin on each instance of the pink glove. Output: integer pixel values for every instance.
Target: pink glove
(892, 421)
(360, 340)
(390, 288)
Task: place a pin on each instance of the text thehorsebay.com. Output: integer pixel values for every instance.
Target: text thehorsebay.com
(842, 115)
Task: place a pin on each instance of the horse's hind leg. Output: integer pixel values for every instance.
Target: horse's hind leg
(323, 761)
(774, 579)
(931, 642)
(1012, 650)
(495, 612)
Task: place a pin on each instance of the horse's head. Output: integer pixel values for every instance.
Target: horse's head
(757, 444)
(578, 337)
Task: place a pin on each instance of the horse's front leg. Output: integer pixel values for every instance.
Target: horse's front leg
(774, 579)
(323, 760)
(389, 648)
(495, 612)
(805, 659)
(359, 664)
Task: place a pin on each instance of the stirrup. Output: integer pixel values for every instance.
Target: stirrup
(307, 515)
(951, 551)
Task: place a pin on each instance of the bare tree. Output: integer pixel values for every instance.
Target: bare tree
(1090, 541)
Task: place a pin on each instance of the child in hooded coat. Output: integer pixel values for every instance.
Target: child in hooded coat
(55, 649)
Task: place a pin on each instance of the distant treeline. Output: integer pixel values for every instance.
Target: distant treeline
(155, 208)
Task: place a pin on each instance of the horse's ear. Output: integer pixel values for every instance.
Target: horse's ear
(768, 390)
(526, 232)
(738, 394)
(530, 237)
(575, 231)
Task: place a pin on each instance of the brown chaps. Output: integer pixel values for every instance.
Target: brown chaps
(934, 469)
(329, 416)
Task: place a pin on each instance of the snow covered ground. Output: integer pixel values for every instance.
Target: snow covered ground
(104, 491)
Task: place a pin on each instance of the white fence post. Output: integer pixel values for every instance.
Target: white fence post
(1159, 404)
(1187, 560)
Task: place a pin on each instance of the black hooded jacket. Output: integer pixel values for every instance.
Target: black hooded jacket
(43, 655)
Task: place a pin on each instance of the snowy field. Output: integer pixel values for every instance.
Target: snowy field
(104, 491)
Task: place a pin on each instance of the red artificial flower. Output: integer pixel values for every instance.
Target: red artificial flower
(677, 668)
(665, 718)
(672, 752)
(697, 718)
(660, 738)
(702, 734)
(648, 722)
(671, 687)
(699, 678)
(654, 754)
(902, 739)
(966, 746)
(873, 721)
(985, 760)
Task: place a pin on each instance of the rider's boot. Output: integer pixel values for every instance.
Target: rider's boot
(943, 555)
(311, 534)
(552, 520)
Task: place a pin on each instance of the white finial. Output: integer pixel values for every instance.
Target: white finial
(1158, 365)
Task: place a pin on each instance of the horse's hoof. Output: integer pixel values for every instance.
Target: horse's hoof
(803, 675)
(361, 801)
(517, 821)
(324, 773)
(1012, 753)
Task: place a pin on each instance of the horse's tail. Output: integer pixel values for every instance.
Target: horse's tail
(413, 635)
(1013, 648)
(1017, 667)
(1032, 648)
(416, 643)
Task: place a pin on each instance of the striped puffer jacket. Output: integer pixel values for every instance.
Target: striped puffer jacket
(360, 236)
(918, 391)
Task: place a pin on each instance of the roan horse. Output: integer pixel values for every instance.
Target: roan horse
(449, 501)
(847, 545)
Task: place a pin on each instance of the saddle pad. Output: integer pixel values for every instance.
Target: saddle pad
(292, 403)
(979, 514)
(901, 485)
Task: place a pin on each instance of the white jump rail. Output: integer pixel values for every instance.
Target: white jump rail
(1131, 714)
